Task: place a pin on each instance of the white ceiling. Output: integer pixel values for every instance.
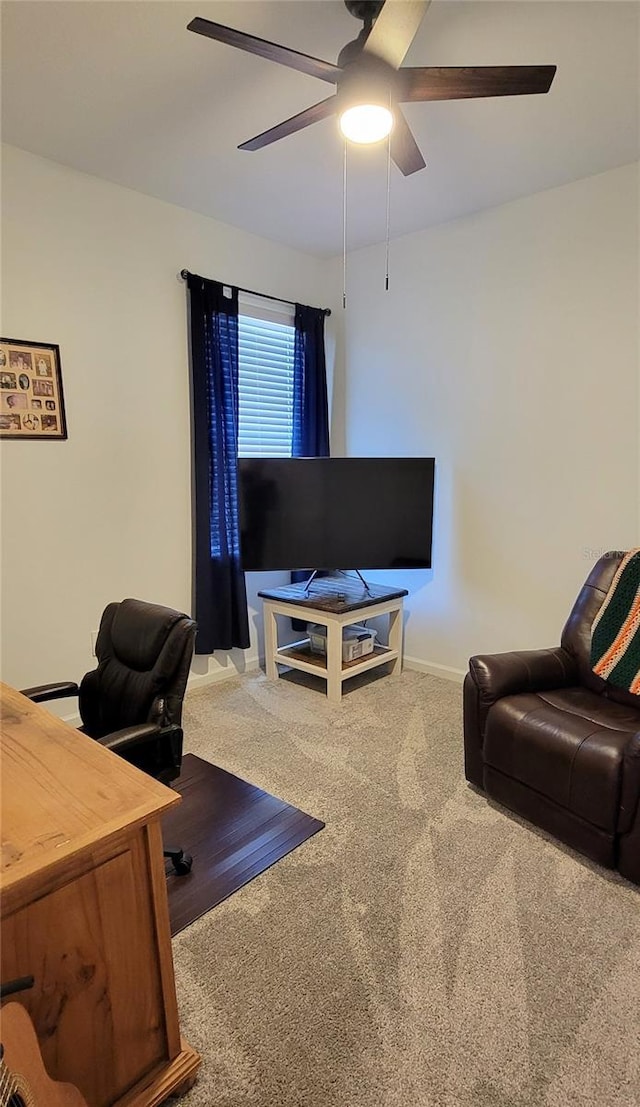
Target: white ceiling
(121, 90)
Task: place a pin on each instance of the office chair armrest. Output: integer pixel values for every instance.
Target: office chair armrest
(130, 737)
(42, 692)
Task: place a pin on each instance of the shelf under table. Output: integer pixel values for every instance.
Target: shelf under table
(299, 655)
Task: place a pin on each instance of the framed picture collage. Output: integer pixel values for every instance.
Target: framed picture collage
(31, 399)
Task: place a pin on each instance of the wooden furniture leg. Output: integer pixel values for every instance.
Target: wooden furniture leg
(270, 642)
(395, 639)
(334, 661)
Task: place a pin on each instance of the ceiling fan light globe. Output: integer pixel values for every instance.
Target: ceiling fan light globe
(366, 123)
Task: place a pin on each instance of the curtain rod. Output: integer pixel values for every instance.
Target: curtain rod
(184, 273)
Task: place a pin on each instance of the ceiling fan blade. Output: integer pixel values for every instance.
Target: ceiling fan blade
(454, 83)
(315, 67)
(394, 30)
(404, 148)
(297, 123)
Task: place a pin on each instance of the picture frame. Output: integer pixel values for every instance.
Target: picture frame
(31, 396)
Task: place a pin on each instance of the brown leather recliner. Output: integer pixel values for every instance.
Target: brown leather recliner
(552, 741)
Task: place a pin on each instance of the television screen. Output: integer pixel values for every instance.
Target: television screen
(336, 513)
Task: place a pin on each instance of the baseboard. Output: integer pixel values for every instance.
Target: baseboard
(434, 669)
(200, 680)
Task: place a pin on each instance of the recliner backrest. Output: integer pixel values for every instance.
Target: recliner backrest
(576, 636)
(144, 652)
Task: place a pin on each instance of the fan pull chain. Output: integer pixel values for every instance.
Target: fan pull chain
(344, 227)
(386, 273)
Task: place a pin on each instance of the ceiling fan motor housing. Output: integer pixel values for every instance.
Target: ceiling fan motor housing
(366, 10)
(367, 80)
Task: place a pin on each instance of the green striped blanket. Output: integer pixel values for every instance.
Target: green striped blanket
(615, 634)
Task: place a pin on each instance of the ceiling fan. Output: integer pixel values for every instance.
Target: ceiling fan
(370, 83)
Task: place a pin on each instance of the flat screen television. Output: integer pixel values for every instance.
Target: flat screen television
(336, 513)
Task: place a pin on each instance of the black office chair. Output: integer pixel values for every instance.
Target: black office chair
(132, 703)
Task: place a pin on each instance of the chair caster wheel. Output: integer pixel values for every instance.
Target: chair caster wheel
(183, 866)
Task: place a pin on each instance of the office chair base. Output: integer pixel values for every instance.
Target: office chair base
(180, 860)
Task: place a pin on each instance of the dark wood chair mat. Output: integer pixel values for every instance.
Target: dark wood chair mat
(233, 830)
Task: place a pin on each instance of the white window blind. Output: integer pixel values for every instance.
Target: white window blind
(265, 380)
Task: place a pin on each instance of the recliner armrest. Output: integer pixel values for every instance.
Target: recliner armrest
(506, 674)
(130, 737)
(42, 692)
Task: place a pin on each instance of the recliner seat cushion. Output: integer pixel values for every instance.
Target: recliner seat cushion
(568, 744)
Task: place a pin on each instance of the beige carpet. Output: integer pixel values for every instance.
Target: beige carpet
(424, 950)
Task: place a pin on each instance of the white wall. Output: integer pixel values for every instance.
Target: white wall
(107, 514)
(507, 347)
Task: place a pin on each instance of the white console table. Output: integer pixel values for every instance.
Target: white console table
(335, 602)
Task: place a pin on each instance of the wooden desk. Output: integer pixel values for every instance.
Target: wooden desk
(336, 602)
(84, 910)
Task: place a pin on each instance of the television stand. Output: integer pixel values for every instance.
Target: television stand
(335, 602)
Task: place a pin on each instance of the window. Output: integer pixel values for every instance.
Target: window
(266, 337)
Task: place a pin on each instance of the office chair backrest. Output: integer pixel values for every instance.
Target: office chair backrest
(144, 652)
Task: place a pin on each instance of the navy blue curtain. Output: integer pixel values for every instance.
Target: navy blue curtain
(220, 598)
(310, 403)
